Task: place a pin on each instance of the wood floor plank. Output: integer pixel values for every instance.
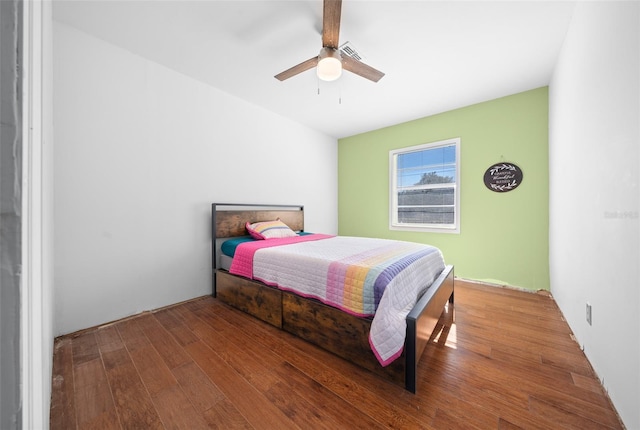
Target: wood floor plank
(577, 409)
(115, 357)
(63, 409)
(381, 400)
(226, 416)
(564, 418)
(493, 335)
(132, 335)
(471, 418)
(225, 337)
(312, 361)
(508, 361)
(235, 353)
(256, 409)
(529, 365)
(186, 313)
(85, 348)
(152, 369)
(516, 380)
(574, 363)
(167, 319)
(174, 325)
(578, 401)
(92, 391)
(487, 395)
(170, 351)
(267, 381)
(108, 335)
(175, 410)
(197, 386)
(554, 378)
(107, 420)
(298, 409)
(132, 400)
(89, 373)
(469, 344)
(335, 411)
(588, 383)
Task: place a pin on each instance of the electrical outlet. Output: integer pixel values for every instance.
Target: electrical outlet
(589, 313)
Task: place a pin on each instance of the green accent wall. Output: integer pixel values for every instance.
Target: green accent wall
(504, 237)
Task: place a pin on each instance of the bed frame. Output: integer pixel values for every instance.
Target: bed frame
(338, 332)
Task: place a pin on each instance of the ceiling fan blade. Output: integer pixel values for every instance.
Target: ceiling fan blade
(305, 65)
(361, 69)
(331, 23)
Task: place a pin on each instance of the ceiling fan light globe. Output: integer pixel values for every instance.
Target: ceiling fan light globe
(329, 69)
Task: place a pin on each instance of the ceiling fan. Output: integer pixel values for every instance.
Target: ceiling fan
(330, 62)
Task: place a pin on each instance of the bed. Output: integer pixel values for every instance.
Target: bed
(344, 333)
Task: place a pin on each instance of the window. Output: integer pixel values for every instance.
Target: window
(424, 187)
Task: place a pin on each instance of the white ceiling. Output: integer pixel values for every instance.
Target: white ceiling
(437, 55)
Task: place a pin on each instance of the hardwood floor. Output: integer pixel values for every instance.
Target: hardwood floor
(508, 362)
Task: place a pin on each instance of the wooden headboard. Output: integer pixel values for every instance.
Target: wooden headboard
(229, 219)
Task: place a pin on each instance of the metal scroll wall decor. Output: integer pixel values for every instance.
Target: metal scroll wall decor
(503, 177)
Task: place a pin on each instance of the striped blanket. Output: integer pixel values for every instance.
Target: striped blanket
(362, 276)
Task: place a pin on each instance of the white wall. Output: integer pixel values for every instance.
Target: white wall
(141, 153)
(594, 161)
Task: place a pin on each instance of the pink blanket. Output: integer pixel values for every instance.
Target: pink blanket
(242, 264)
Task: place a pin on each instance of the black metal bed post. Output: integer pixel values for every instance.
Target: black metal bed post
(213, 249)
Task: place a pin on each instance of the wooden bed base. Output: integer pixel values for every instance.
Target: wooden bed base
(338, 332)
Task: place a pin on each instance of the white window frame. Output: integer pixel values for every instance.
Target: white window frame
(393, 193)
